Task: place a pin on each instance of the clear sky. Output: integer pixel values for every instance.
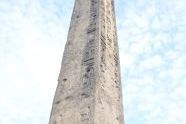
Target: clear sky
(152, 41)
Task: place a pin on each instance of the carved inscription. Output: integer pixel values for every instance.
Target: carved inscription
(108, 43)
(85, 115)
(89, 52)
(88, 71)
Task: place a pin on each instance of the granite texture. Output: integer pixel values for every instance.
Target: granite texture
(89, 86)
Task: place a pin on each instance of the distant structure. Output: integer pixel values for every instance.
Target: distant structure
(89, 87)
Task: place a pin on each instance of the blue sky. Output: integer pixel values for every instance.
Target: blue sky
(151, 34)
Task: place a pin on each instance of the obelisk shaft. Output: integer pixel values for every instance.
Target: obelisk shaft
(89, 87)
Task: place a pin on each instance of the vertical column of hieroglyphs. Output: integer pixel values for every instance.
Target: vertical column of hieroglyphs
(110, 72)
(88, 69)
(117, 81)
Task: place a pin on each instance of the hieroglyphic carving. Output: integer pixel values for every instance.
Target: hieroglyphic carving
(88, 67)
(108, 42)
(88, 77)
(89, 52)
(81, 102)
(85, 115)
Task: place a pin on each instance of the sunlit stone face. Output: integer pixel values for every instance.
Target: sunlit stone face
(89, 89)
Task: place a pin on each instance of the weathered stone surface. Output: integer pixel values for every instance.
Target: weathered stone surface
(89, 87)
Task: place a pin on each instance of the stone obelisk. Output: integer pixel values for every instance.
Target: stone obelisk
(89, 86)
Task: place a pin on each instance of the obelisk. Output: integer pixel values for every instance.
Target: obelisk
(89, 85)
